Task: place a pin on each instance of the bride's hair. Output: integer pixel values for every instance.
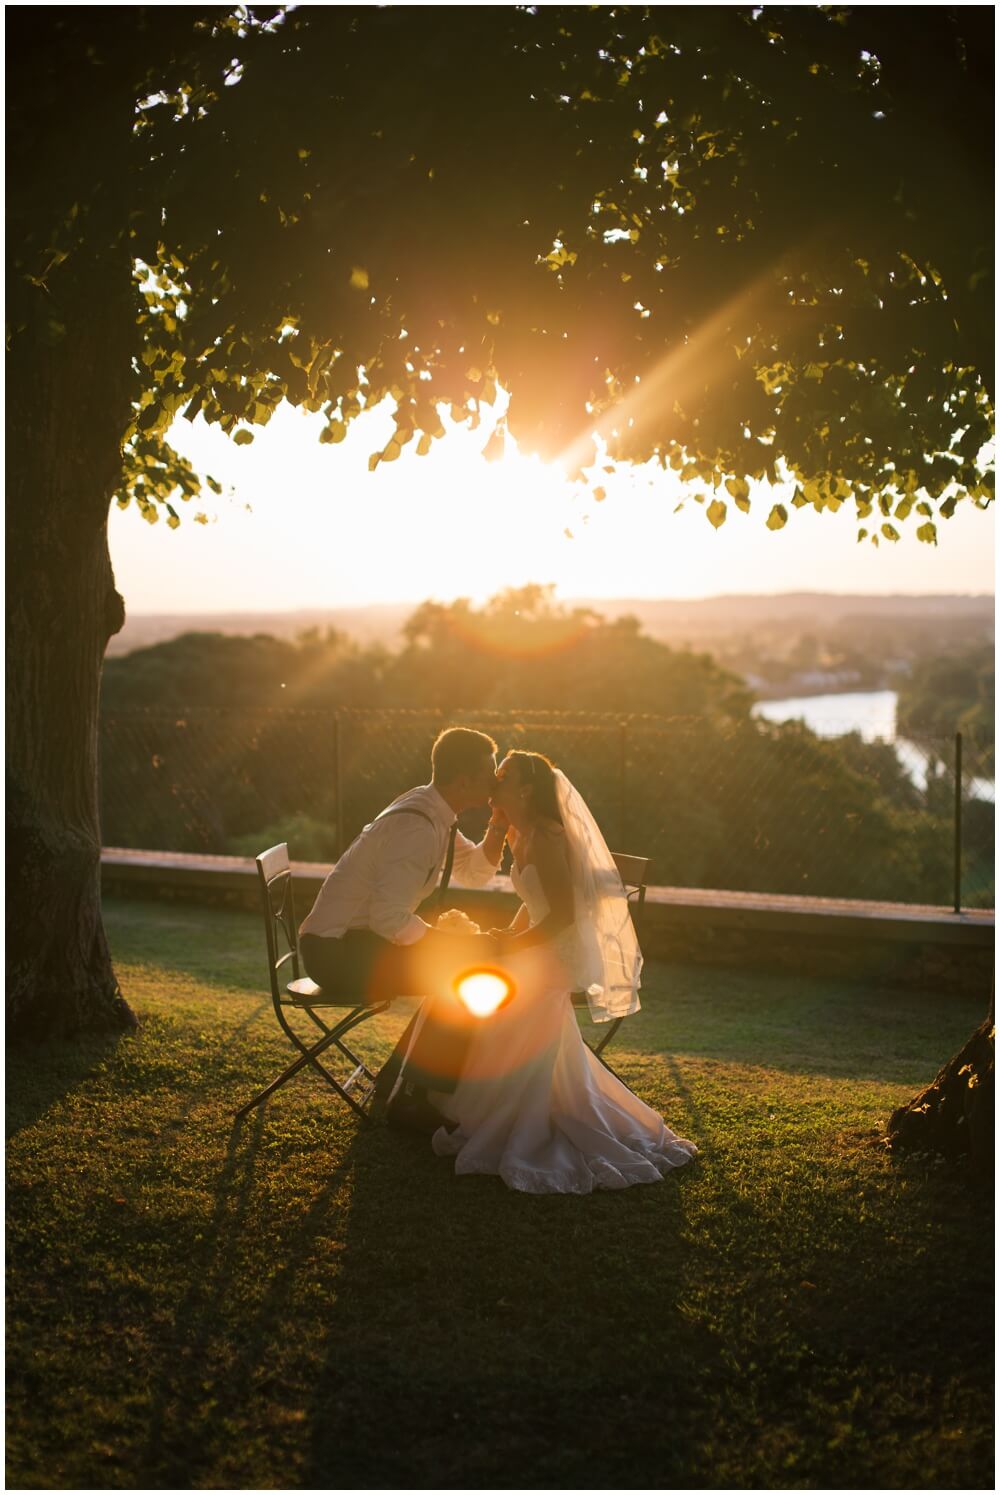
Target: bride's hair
(538, 771)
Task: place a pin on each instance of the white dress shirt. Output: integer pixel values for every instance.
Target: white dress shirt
(391, 867)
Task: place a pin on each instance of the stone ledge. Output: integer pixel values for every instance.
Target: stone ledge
(695, 909)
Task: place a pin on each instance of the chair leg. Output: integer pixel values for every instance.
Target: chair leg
(333, 1034)
(354, 1017)
(612, 1030)
(311, 1056)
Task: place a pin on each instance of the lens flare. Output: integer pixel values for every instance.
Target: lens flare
(484, 991)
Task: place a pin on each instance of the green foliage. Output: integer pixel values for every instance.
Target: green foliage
(195, 757)
(954, 690)
(748, 243)
(184, 1295)
(311, 840)
(521, 649)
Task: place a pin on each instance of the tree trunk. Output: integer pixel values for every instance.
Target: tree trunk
(70, 382)
(954, 1115)
(68, 403)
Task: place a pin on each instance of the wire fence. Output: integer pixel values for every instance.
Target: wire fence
(749, 805)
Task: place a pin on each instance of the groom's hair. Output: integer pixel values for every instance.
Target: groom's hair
(457, 751)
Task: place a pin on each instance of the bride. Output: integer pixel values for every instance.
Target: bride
(534, 1104)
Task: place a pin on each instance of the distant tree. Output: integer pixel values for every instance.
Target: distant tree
(741, 241)
(215, 669)
(524, 650)
(948, 692)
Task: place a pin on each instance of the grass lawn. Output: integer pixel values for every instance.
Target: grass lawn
(296, 1303)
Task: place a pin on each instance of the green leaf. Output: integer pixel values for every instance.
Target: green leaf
(716, 512)
(243, 438)
(927, 533)
(778, 517)
(890, 532)
(862, 533)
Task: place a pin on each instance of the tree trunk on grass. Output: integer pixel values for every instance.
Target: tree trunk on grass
(68, 404)
(954, 1114)
(70, 382)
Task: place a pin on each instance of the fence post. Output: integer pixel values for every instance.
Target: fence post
(622, 786)
(958, 822)
(338, 786)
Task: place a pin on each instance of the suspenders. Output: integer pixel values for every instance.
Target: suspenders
(449, 854)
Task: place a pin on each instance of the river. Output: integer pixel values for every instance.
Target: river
(872, 713)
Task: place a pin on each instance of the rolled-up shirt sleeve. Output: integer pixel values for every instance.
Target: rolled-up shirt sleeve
(402, 885)
(472, 867)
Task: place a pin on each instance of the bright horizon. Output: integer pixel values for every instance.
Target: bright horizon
(309, 527)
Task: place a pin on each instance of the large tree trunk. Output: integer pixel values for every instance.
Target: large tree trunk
(69, 386)
(67, 407)
(954, 1114)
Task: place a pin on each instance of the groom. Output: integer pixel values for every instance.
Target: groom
(364, 936)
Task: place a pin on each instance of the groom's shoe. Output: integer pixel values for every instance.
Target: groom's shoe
(414, 1113)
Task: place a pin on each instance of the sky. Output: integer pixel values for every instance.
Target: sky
(302, 525)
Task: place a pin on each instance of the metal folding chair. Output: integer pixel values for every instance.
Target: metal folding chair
(304, 996)
(633, 872)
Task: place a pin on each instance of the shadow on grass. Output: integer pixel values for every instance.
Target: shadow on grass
(431, 1352)
(39, 1075)
(194, 1393)
(485, 1324)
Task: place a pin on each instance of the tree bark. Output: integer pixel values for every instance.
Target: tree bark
(68, 404)
(70, 383)
(954, 1114)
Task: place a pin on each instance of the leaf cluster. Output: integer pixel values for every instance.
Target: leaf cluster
(751, 245)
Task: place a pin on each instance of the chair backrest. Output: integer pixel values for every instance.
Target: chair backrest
(634, 873)
(275, 872)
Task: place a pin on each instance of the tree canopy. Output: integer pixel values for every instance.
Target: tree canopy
(744, 243)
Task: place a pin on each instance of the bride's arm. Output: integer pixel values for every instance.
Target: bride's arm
(549, 856)
(522, 918)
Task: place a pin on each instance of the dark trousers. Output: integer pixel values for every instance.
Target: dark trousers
(363, 967)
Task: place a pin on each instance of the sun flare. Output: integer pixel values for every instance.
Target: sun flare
(484, 991)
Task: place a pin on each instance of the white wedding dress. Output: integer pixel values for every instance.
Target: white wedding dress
(534, 1104)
